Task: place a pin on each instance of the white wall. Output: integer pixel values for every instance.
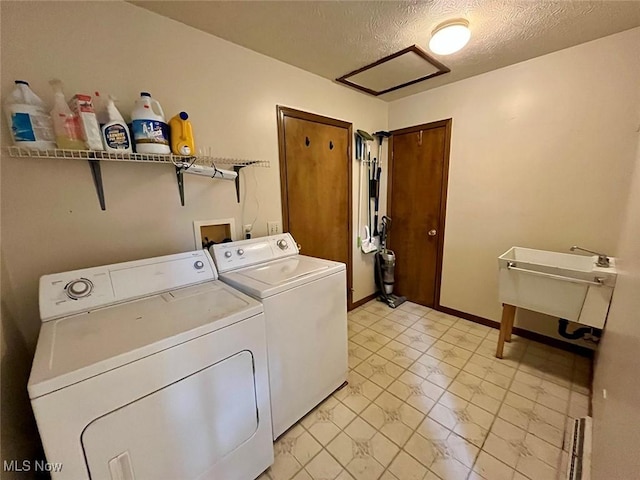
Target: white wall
(50, 207)
(51, 220)
(541, 154)
(616, 419)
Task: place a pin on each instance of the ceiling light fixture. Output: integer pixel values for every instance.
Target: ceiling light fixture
(449, 37)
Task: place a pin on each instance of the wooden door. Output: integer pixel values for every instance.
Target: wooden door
(315, 174)
(417, 197)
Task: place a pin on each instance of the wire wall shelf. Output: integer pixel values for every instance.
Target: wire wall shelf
(134, 157)
(182, 164)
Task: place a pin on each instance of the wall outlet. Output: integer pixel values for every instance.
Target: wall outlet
(274, 228)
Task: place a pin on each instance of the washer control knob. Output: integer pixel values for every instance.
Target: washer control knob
(282, 244)
(79, 288)
(240, 252)
(228, 254)
(198, 265)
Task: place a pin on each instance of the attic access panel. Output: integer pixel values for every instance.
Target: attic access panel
(406, 67)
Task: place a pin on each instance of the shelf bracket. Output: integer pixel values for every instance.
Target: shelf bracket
(180, 178)
(96, 173)
(237, 168)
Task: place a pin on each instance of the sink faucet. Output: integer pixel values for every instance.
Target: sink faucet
(603, 260)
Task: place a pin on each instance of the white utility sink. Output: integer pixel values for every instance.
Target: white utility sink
(563, 285)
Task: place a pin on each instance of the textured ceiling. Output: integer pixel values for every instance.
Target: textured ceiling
(332, 38)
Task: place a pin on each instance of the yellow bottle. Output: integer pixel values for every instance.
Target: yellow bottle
(66, 124)
(182, 142)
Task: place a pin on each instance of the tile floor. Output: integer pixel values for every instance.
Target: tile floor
(428, 400)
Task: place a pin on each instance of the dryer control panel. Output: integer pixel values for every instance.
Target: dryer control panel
(243, 253)
(63, 294)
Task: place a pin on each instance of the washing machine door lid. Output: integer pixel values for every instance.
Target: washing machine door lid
(78, 347)
(273, 277)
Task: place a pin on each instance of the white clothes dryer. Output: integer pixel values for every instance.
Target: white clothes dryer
(305, 308)
(151, 370)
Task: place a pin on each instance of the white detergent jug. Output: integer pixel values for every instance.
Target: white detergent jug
(27, 117)
(150, 130)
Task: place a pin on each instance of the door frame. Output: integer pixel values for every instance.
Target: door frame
(282, 113)
(443, 191)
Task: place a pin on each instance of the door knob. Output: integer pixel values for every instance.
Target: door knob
(432, 232)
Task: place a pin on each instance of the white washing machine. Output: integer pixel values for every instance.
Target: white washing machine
(305, 308)
(151, 370)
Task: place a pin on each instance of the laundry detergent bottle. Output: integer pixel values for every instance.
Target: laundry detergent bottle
(27, 117)
(182, 142)
(150, 130)
(115, 133)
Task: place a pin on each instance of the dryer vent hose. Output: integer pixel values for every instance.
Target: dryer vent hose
(577, 333)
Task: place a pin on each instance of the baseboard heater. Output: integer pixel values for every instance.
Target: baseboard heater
(579, 467)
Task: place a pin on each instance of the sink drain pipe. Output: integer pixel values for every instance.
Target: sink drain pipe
(576, 334)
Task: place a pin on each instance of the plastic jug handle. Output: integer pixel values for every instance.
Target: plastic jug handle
(182, 125)
(156, 104)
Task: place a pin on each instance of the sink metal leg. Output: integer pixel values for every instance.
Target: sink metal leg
(506, 326)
